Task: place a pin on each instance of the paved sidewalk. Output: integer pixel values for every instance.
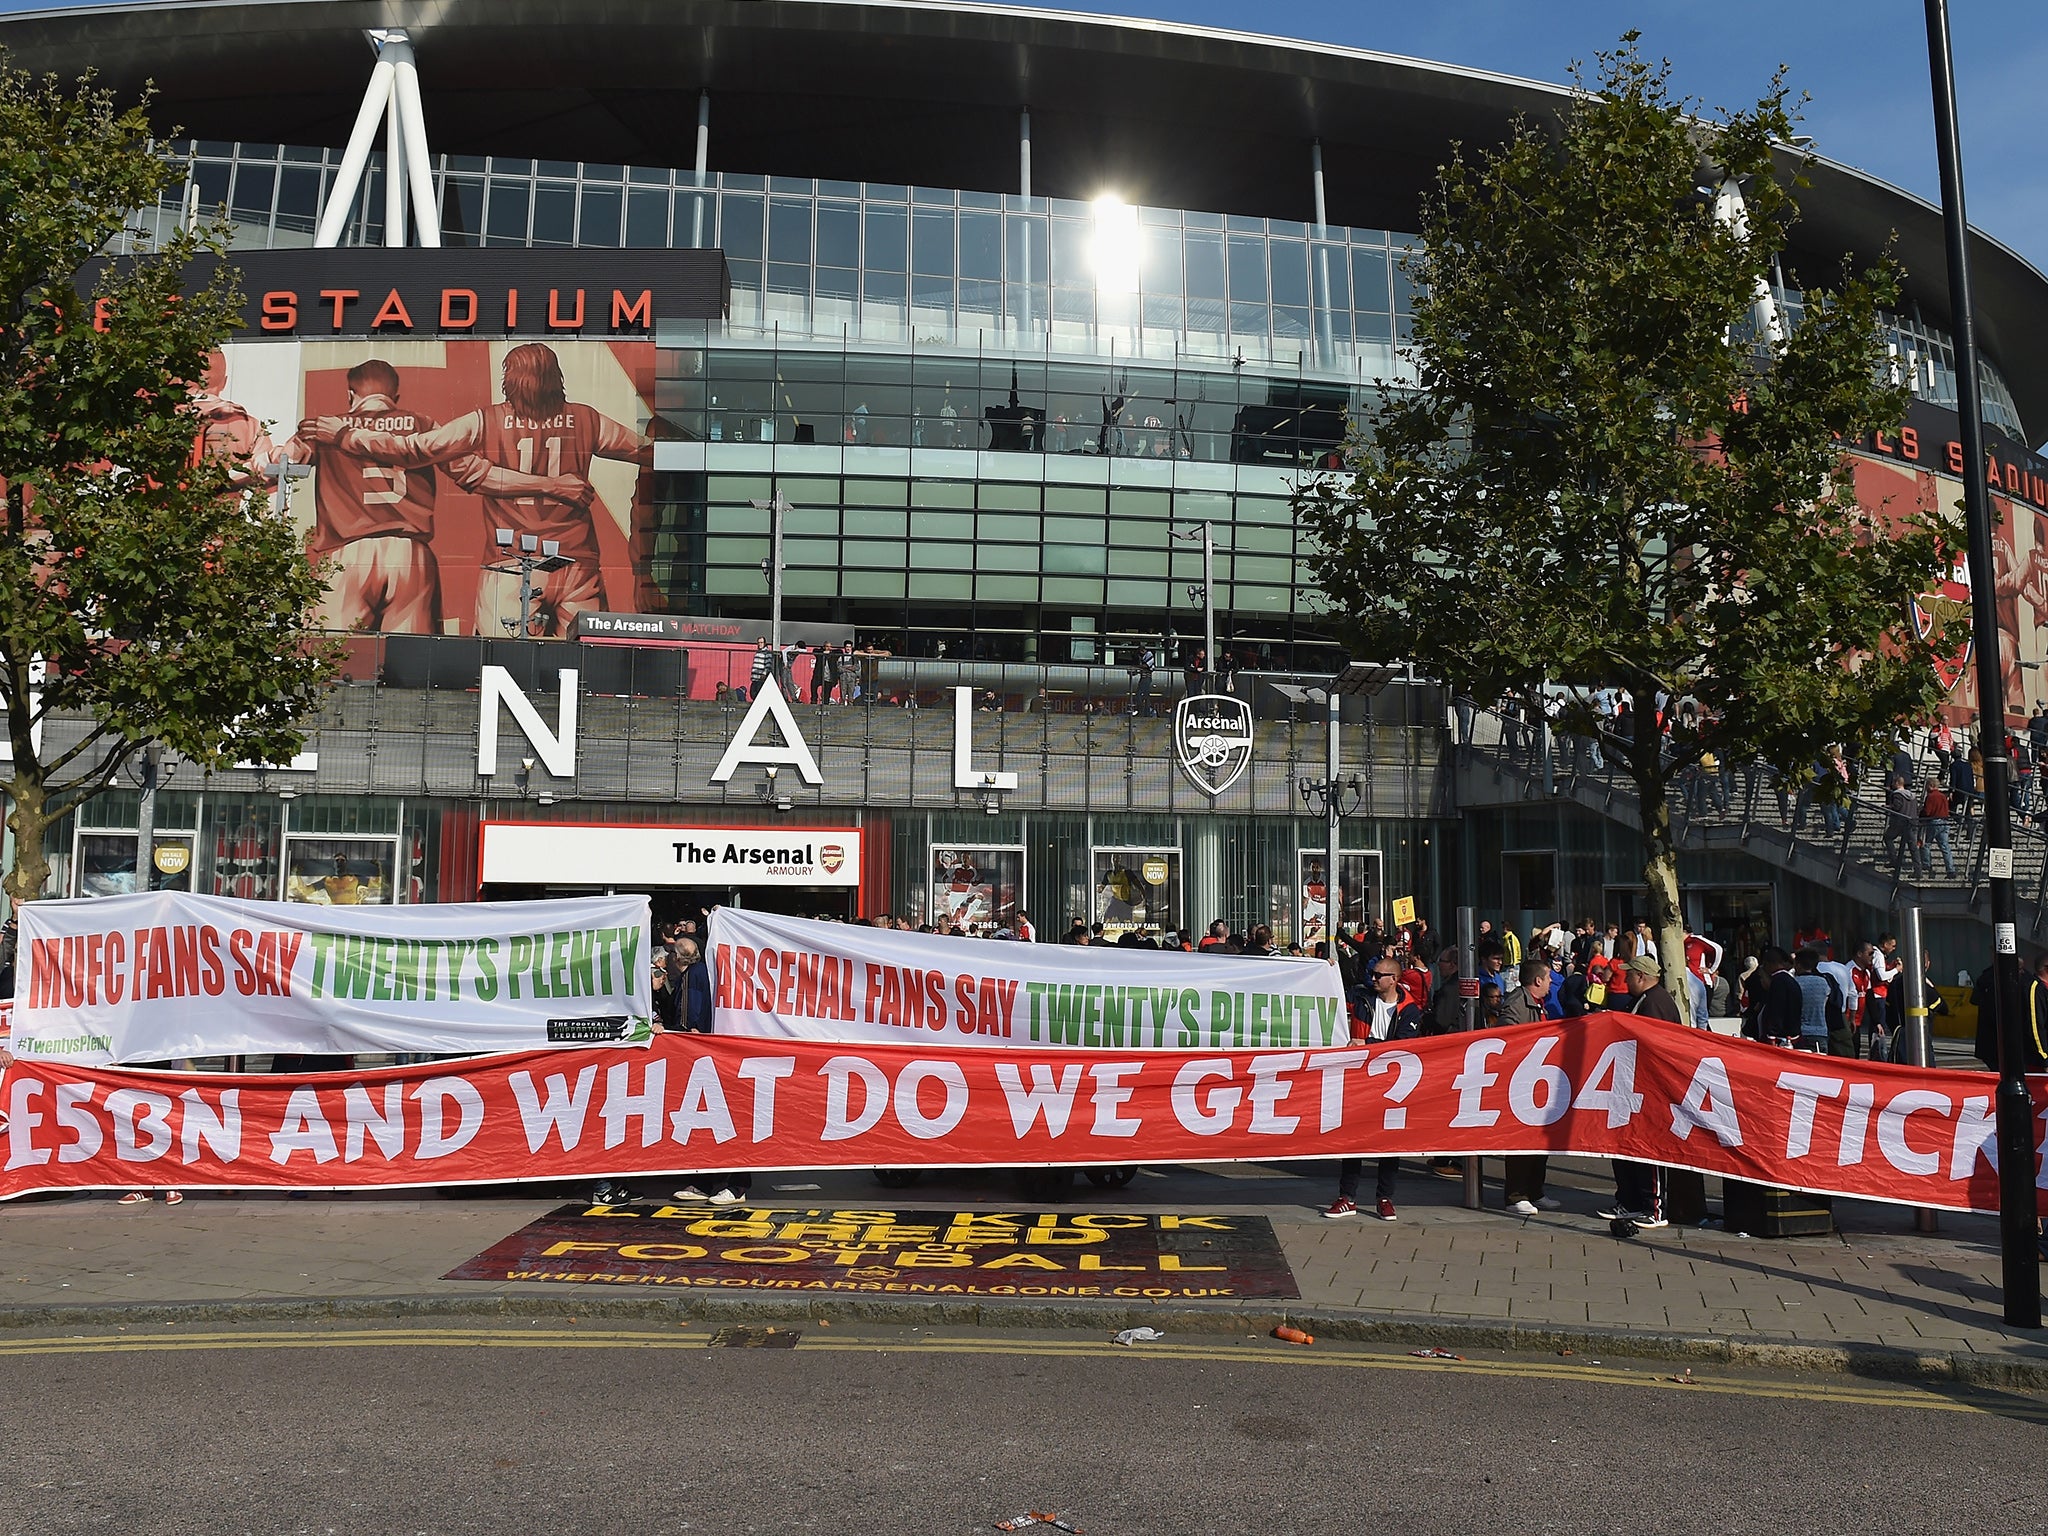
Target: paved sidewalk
(1876, 1297)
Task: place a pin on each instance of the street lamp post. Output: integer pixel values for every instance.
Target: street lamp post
(1206, 533)
(777, 509)
(530, 556)
(2018, 1231)
(1336, 794)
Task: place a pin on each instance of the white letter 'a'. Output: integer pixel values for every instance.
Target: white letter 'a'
(556, 749)
(768, 701)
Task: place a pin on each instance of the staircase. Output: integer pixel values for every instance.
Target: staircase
(1504, 763)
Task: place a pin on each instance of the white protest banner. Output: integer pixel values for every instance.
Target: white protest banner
(169, 975)
(792, 978)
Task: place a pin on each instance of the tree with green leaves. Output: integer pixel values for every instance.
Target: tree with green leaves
(1616, 471)
(149, 593)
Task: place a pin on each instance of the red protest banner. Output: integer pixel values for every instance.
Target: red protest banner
(1609, 1085)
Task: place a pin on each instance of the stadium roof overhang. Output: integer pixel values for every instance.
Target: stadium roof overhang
(925, 93)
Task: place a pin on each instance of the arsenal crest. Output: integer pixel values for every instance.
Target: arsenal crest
(1212, 736)
(1950, 599)
(832, 856)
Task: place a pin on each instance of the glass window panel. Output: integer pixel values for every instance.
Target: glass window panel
(888, 240)
(1375, 327)
(838, 283)
(931, 243)
(1021, 498)
(592, 172)
(838, 226)
(1009, 525)
(981, 246)
(1006, 589)
(1072, 263)
(1075, 559)
(941, 588)
(940, 525)
(508, 212)
(811, 552)
(1084, 499)
(1073, 590)
(648, 175)
(211, 177)
(298, 200)
(1006, 557)
(875, 554)
(1073, 530)
(556, 167)
(1137, 562)
(1369, 286)
(1290, 324)
(255, 185)
(943, 493)
(1162, 258)
(875, 523)
(932, 292)
(878, 493)
(1331, 273)
(883, 581)
(1137, 594)
(1404, 289)
(1247, 271)
(512, 166)
(1244, 224)
(1249, 320)
(1205, 268)
(884, 287)
(1290, 273)
(602, 209)
(789, 231)
(1026, 237)
(647, 220)
(939, 197)
(554, 214)
(696, 220)
(788, 277)
(739, 227)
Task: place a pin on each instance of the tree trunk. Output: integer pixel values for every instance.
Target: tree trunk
(1660, 878)
(1660, 851)
(26, 819)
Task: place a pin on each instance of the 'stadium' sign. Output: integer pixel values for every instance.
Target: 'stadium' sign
(921, 1253)
(371, 291)
(170, 975)
(1212, 737)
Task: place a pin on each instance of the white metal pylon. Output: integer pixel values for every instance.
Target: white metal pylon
(394, 97)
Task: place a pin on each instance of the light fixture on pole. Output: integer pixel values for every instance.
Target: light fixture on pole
(530, 556)
(767, 790)
(777, 509)
(1337, 795)
(1207, 592)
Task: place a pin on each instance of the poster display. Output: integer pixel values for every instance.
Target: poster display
(341, 871)
(1608, 1085)
(106, 863)
(1137, 890)
(171, 975)
(423, 451)
(793, 977)
(1359, 890)
(976, 888)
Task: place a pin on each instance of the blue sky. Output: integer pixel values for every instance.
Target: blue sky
(1864, 63)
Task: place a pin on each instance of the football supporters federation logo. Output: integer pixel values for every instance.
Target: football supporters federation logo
(1212, 736)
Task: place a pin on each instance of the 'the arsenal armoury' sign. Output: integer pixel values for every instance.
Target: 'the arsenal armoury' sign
(1212, 737)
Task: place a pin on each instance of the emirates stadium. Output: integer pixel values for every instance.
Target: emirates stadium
(970, 356)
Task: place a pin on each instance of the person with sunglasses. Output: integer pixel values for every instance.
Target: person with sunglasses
(1390, 1017)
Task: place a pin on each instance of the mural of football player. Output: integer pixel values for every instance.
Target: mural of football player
(227, 431)
(536, 430)
(375, 521)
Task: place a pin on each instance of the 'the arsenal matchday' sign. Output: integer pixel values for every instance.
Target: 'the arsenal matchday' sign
(558, 854)
(169, 975)
(792, 977)
(1609, 1085)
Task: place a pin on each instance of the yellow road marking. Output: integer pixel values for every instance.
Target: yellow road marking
(1653, 1374)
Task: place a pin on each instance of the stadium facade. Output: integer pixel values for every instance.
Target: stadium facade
(987, 319)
